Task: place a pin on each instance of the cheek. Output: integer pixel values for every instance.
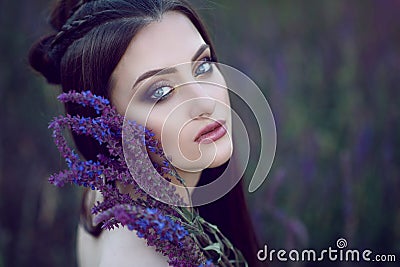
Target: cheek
(176, 139)
(226, 100)
(166, 128)
(220, 91)
(175, 135)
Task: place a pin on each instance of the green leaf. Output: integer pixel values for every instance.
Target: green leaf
(214, 246)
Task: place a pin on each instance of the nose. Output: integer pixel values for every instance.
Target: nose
(201, 104)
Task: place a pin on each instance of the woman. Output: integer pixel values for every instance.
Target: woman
(115, 49)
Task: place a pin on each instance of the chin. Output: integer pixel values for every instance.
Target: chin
(223, 155)
(212, 155)
(218, 162)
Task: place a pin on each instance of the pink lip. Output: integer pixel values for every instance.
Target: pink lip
(211, 132)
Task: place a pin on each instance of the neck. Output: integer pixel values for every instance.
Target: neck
(191, 179)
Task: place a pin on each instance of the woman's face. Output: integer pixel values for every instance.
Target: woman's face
(180, 101)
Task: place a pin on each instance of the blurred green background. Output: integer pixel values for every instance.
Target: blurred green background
(330, 71)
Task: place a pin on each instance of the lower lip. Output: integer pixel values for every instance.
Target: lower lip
(212, 136)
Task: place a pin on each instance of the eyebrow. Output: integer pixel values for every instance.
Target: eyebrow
(200, 51)
(151, 73)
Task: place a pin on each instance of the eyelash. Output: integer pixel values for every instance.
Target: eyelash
(204, 61)
(159, 86)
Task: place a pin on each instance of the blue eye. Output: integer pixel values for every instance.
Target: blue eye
(203, 67)
(161, 92)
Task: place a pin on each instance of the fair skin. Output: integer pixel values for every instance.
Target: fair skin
(176, 119)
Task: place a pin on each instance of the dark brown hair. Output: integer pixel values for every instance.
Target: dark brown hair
(89, 39)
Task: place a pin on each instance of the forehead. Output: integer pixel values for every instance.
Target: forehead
(170, 41)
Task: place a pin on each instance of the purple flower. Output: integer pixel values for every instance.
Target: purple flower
(164, 226)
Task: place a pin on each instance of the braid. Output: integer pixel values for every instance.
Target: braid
(78, 5)
(76, 29)
(69, 28)
(72, 20)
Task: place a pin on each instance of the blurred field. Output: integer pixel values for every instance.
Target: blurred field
(330, 71)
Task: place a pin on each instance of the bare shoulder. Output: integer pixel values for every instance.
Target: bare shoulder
(122, 247)
(118, 247)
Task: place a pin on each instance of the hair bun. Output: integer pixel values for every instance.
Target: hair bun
(40, 60)
(41, 56)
